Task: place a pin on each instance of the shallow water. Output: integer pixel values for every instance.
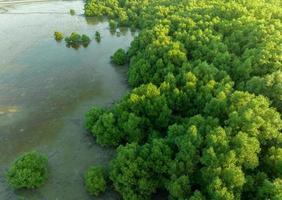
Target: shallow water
(45, 89)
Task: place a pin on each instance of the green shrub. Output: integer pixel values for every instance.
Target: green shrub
(119, 57)
(58, 36)
(72, 12)
(94, 180)
(75, 40)
(85, 39)
(97, 36)
(28, 171)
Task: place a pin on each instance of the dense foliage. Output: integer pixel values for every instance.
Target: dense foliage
(202, 121)
(95, 181)
(119, 57)
(28, 171)
(58, 36)
(75, 40)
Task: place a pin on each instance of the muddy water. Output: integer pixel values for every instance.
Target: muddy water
(45, 89)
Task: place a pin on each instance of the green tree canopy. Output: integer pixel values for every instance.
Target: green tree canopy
(94, 179)
(119, 57)
(202, 119)
(28, 171)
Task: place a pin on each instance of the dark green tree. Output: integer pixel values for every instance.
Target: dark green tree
(94, 180)
(28, 171)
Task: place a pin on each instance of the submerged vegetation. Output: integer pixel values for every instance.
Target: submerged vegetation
(202, 121)
(119, 57)
(28, 171)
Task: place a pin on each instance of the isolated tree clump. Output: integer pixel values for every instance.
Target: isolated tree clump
(85, 40)
(58, 36)
(72, 12)
(97, 36)
(75, 40)
(28, 171)
(94, 180)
